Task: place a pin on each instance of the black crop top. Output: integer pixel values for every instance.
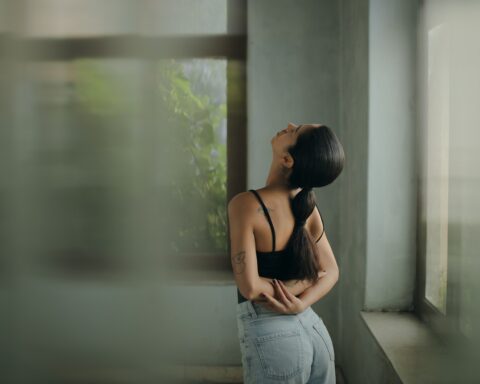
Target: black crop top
(274, 264)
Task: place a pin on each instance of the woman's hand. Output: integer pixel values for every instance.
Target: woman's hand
(288, 304)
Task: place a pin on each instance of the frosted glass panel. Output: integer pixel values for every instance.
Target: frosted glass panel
(112, 170)
(464, 164)
(97, 138)
(114, 173)
(61, 18)
(450, 118)
(437, 178)
(170, 17)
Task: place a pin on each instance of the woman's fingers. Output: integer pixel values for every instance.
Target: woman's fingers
(285, 291)
(281, 292)
(275, 304)
(288, 303)
(297, 304)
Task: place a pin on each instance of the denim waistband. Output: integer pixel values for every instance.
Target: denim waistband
(253, 310)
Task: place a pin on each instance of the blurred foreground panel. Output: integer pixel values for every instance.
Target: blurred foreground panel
(113, 170)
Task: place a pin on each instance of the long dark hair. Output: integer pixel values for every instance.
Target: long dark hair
(318, 160)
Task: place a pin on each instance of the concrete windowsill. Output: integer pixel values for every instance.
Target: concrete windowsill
(415, 355)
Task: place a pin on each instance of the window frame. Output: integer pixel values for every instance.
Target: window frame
(447, 325)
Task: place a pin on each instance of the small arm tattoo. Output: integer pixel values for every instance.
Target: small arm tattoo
(238, 262)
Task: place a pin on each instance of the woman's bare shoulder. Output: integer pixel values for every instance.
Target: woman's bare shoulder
(241, 201)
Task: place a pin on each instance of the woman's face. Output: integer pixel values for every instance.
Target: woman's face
(288, 137)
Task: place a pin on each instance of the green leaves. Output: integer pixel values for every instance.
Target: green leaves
(194, 120)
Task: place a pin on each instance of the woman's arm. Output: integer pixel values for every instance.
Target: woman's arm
(242, 248)
(294, 286)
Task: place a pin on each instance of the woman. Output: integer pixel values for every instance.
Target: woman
(283, 262)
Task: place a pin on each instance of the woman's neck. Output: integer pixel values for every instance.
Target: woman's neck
(277, 177)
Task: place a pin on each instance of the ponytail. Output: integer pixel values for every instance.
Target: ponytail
(318, 160)
(305, 263)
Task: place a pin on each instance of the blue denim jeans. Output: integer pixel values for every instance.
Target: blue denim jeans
(279, 348)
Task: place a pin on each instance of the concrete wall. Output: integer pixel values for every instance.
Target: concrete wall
(352, 347)
(391, 187)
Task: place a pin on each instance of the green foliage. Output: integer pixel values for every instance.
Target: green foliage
(198, 188)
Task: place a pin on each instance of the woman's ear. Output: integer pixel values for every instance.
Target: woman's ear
(287, 160)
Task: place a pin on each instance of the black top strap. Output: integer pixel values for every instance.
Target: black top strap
(323, 225)
(265, 210)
